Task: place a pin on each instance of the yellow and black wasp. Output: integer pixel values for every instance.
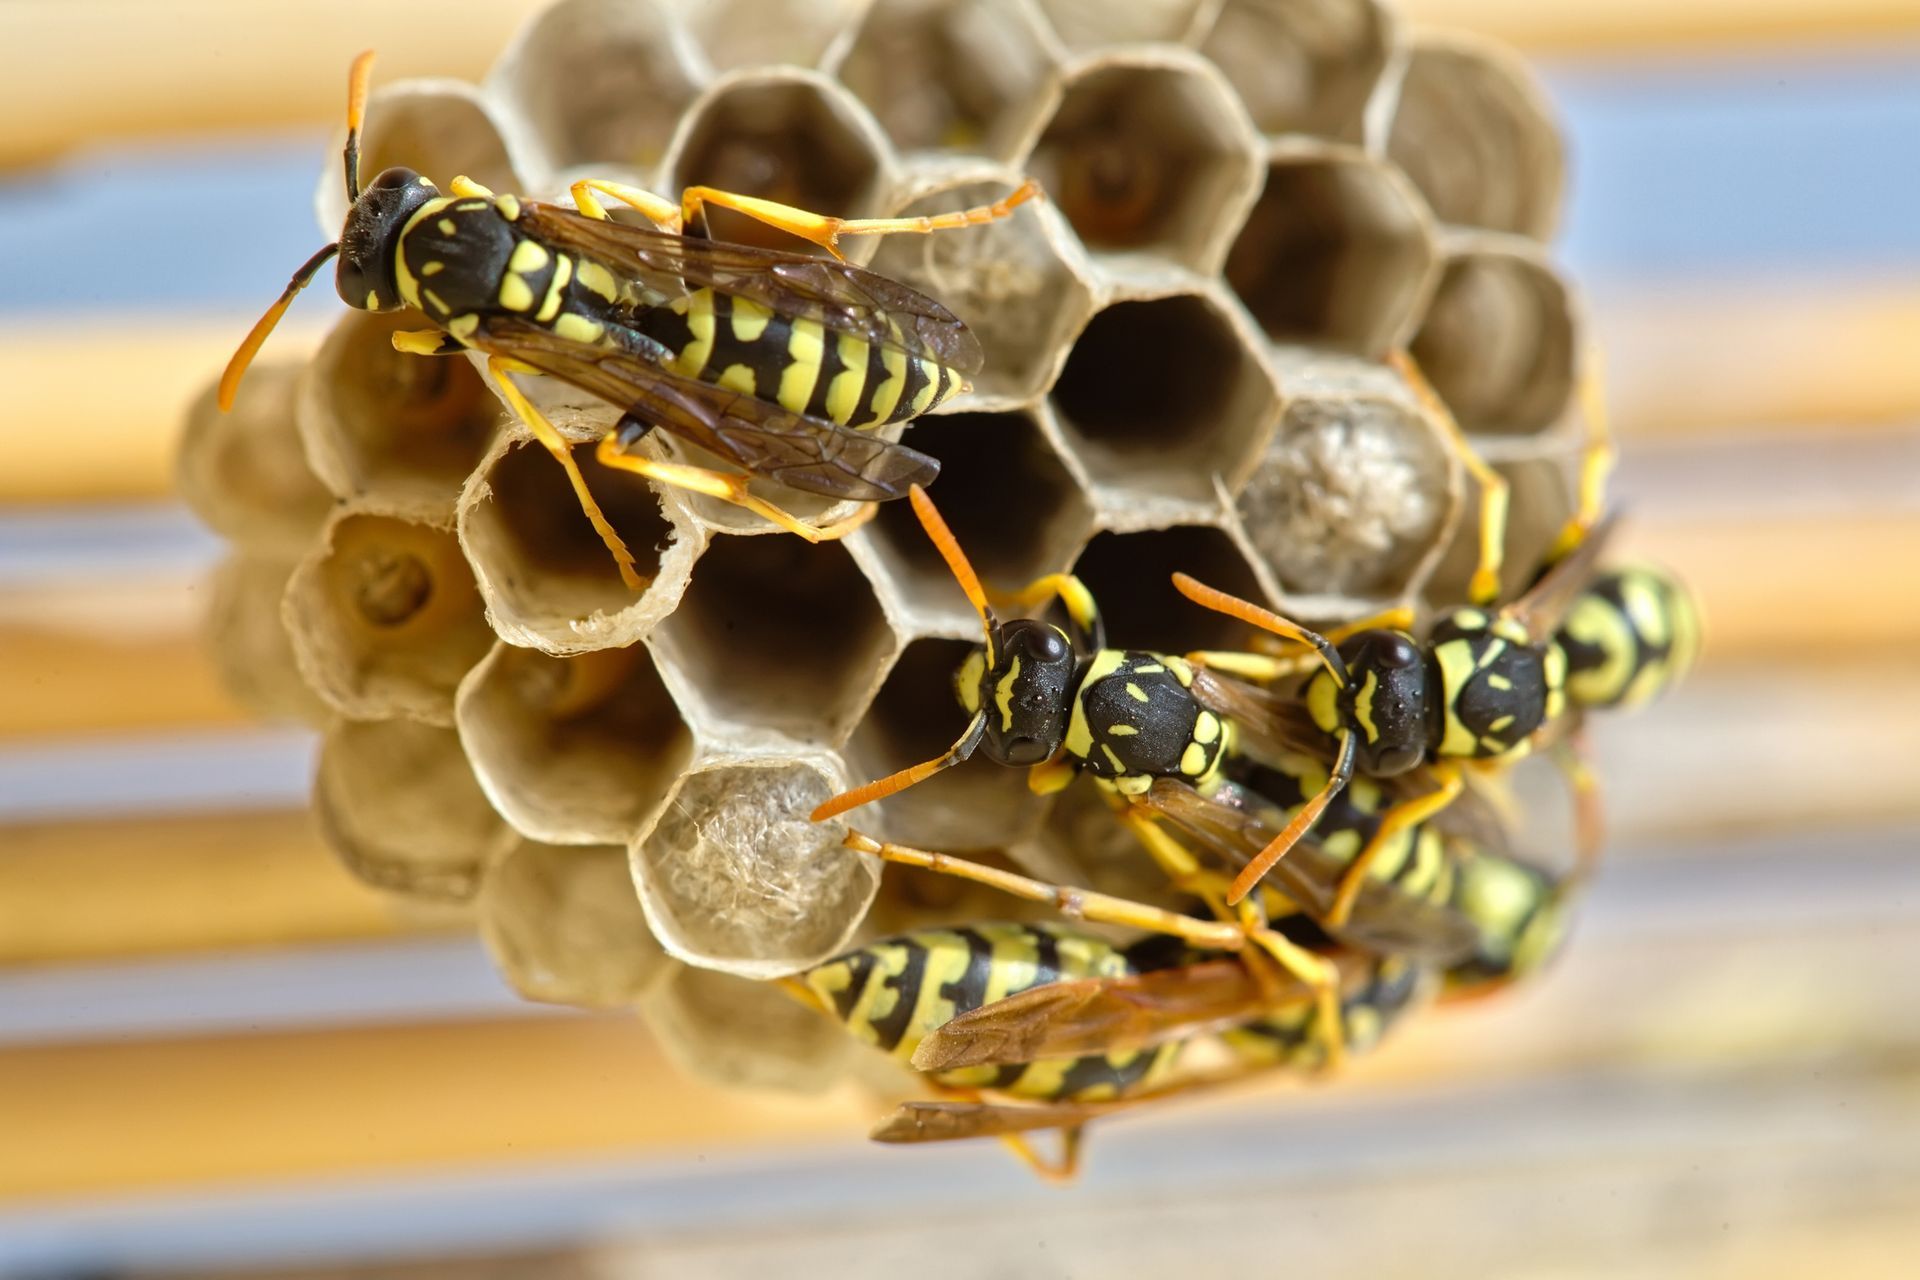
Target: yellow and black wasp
(780, 363)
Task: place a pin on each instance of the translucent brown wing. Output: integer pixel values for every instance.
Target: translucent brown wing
(1098, 1015)
(843, 298)
(1235, 824)
(1545, 603)
(1267, 723)
(797, 450)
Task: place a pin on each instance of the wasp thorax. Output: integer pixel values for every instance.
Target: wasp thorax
(1027, 692)
(370, 240)
(1496, 685)
(1386, 702)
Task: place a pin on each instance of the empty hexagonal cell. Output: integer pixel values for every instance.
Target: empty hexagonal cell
(736, 877)
(249, 642)
(765, 33)
(564, 925)
(1352, 497)
(1338, 252)
(440, 128)
(1131, 576)
(1302, 66)
(599, 81)
(572, 750)
(915, 717)
(1498, 340)
(959, 74)
(384, 617)
(1089, 24)
(745, 1034)
(396, 800)
(1540, 500)
(404, 430)
(1009, 500)
(1161, 396)
(1475, 132)
(1011, 282)
(548, 579)
(1151, 153)
(787, 135)
(245, 472)
(776, 633)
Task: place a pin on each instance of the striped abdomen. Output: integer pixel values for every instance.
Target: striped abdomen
(739, 344)
(892, 993)
(1390, 988)
(1627, 637)
(1521, 914)
(1413, 860)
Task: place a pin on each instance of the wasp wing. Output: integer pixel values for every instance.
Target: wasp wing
(1235, 824)
(1546, 602)
(1088, 1016)
(1267, 725)
(842, 297)
(797, 450)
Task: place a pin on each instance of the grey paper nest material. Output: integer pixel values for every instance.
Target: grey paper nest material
(1250, 203)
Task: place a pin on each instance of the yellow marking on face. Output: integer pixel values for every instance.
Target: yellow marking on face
(598, 280)
(1455, 660)
(1079, 739)
(433, 268)
(575, 327)
(556, 286)
(1206, 728)
(436, 301)
(515, 293)
(692, 359)
(509, 207)
(1112, 759)
(1323, 702)
(886, 396)
(923, 398)
(1135, 692)
(373, 300)
(1003, 694)
(1122, 731)
(1363, 706)
(966, 681)
(1194, 759)
(806, 348)
(736, 377)
(529, 256)
(1182, 670)
(750, 319)
(464, 327)
(843, 393)
(448, 226)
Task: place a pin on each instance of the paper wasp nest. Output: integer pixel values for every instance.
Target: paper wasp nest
(1250, 203)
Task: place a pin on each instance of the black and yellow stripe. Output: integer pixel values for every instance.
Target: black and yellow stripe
(1413, 860)
(1627, 637)
(1392, 987)
(895, 992)
(1521, 913)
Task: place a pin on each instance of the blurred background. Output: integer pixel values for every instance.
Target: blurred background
(218, 1052)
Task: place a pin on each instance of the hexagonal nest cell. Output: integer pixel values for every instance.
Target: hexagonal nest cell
(1155, 157)
(439, 128)
(1090, 24)
(958, 74)
(787, 135)
(1163, 395)
(1302, 66)
(1498, 341)
(777, 634)
(1337, 252)
(1131, 577)
(1006, 495)
(564, 925)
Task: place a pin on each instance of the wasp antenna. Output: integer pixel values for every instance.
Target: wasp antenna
(1265, 619)
(357, 79)
(894, 783)
(250, 347)
(949, 548)
(1255, 871)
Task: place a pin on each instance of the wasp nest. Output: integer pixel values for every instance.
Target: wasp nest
(1250, 204)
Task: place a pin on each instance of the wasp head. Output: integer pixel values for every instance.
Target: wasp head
(370, 241)
(1385, 702)
(1027, 690)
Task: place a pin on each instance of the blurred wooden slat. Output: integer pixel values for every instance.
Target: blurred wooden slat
(127, 887)
(1591, 26)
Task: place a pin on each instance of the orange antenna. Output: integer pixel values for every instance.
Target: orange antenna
(250, 347)
(881, 788)
(949, 549)
(357, 79)
(1255, 871)
(1253, 615)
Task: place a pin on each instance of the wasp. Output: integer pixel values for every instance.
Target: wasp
(1026, 1027)
(779, 363)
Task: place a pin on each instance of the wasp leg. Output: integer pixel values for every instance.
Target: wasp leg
(556, 444)
(1589, 815)
(660, 211)
(825, 231)
(1073, 595)
(427, 342)
(1261, 668)
(464, 187)
(716, 484)
(1050, 776)
(1484, 586)
(1596, 462)
(1401, 817)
